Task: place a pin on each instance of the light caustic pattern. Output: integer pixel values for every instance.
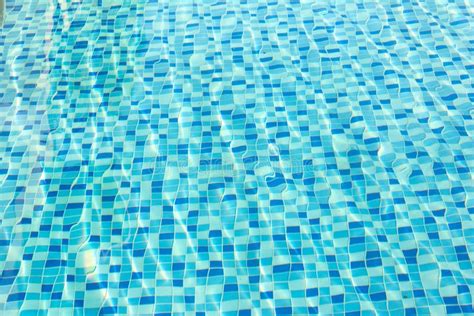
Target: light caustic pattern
(241, 157)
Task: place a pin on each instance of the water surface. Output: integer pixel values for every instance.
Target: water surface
(279, 157)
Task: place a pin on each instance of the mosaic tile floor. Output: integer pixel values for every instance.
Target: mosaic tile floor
(165, 157)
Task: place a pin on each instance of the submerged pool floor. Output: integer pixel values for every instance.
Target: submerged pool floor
(241, 157)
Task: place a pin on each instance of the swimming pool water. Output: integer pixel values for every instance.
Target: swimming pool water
(236, 157)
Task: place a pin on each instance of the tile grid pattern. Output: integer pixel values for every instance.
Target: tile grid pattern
(286, 157)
